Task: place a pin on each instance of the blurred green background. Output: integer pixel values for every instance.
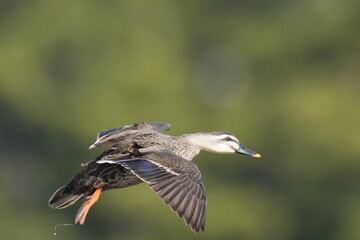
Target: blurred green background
(282, 76)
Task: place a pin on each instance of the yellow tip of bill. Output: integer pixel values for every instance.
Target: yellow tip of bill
(256, 156)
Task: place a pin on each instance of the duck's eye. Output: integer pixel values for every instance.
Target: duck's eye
(228, 139)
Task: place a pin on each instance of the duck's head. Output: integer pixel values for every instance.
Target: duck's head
(220, 142)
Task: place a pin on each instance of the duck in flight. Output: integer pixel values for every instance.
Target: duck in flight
(143, 153)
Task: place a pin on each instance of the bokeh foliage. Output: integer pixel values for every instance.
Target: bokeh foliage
(283, 76)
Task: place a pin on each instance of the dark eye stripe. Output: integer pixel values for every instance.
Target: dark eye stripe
(229, 139)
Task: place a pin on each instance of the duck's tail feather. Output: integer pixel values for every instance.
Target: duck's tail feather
(62, 198)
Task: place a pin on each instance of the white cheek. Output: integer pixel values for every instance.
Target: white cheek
(223, 148)
(234, 146)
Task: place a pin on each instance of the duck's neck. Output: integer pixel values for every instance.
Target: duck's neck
(185, 146)
(200, 141)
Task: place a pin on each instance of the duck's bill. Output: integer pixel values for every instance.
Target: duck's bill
(243, 150)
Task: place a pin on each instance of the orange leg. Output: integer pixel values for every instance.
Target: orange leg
(84, 209)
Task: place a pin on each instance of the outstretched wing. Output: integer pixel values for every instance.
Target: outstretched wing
(176, 181)
(118, 134)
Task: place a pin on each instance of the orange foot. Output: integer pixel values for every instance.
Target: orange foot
(84, 209)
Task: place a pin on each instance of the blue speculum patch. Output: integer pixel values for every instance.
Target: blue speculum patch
(103, 133)
(143, 166)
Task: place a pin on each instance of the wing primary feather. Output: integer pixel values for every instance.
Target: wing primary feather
(165, 191)
(190, 210)
(201, 220)
(160, 185)
(171, 195)
(195, 217)
(175, 203)
(185, 204)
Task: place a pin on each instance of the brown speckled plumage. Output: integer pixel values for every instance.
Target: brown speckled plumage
(142, 153)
